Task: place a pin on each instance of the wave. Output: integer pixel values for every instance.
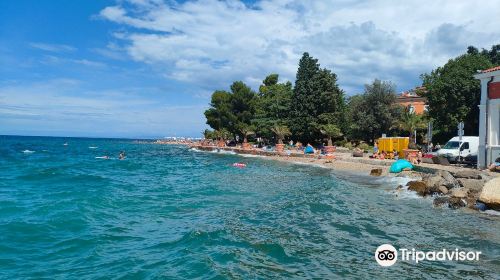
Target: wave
(92, 147)
(28, 151)
(492, 212)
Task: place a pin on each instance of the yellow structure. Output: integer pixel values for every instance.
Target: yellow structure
(389, 144)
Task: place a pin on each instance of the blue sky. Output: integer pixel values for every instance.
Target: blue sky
(146, 68)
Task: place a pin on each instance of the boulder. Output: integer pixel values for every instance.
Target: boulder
(473, 185)
(443, 189)
(410, 174)
(468, 174)
(450, 181)
(490, 195)
(459, 193)
(376, 172)
(470, 202)
(418, 186)
(456, 202)
(441, 201)
(434, 181)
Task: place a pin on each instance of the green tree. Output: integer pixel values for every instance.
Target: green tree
(209, 134)
(317, 100)
(374, 112)
(281, 131)
(246, 131)
(331, 131)
(272, 106)
(409, 122)
(220, 115)
(493, 55)
(453, 94)
(231, 110)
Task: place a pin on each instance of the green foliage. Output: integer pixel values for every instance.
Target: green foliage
(493, 55)
(453, 94)
(232, 110)
(365, 147)
(272, 105)
(281, 131)
(245, 131)
(348, 145)
(372, 113)
(331, 131)
(209, 134)
(409, 122)
(317, 100)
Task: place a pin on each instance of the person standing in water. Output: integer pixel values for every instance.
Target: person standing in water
(122, 155)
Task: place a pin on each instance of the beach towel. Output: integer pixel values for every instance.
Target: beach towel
(399, 165)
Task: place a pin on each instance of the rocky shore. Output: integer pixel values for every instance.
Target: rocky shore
(469, 188)
(449, 186)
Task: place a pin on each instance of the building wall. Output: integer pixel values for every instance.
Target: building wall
(418, 105)
(489, 121)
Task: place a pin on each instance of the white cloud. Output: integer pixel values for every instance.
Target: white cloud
(66, 107)
(52, 47)
(210, 43)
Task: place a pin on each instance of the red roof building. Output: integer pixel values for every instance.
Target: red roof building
(410, 99)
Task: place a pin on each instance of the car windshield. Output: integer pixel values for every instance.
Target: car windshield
(452, 145)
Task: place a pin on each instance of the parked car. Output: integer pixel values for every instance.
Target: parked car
(456, 149)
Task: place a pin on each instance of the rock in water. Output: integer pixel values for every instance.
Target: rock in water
(490, 195)
(434, 182)
(440, 201)
(418, 186)
(459, 193)
(443, 189)
(450, 181)
(468, 174)
(376, 172)
(456, 202)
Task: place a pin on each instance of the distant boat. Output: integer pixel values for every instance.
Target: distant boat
(65, 144)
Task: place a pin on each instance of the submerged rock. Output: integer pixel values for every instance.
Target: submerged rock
(376, 172)
(441, 201)
(490, 195)
(418, 186)
(456, 202)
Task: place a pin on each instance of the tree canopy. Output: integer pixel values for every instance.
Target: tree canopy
(373, 113)
(273, 105)
(317, 100)
(232, 110)
(453, 94)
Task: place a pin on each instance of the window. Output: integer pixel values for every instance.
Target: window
(465, 146)
(411, 108)
(452, 145)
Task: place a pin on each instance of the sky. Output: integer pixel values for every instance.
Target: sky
(147, 68)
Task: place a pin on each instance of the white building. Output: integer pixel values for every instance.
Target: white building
(489, 117)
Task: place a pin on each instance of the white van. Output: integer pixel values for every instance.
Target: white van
(455, 148)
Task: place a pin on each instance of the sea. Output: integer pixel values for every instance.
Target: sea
(71, 209)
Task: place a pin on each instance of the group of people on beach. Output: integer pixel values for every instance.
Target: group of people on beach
(412, 158)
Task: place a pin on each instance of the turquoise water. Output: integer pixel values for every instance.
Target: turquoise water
(168, 212)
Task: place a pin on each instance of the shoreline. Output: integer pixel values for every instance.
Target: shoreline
(451, 186)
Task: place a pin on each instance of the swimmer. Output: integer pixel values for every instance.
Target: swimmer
(122, 155)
